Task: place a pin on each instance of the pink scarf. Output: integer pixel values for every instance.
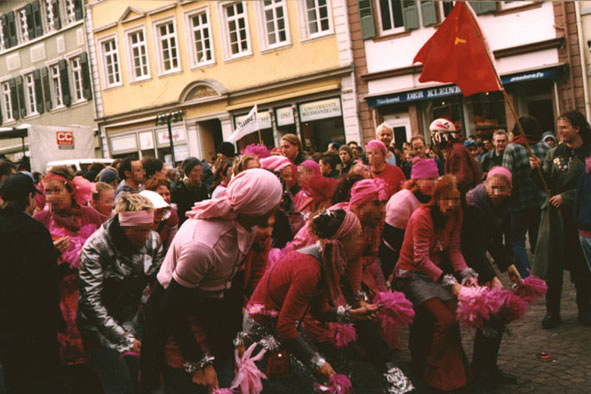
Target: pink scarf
(368, 190)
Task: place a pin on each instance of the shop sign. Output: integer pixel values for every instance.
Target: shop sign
(549, 73)
(285, 116)
(126, 143)
(146, 140)
(415, 95)
(178, 135)
(322, 109)
(64, 139)
(264, 118)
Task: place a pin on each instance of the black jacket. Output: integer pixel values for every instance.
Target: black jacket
(482, 231)
(186, 196)
(490, 160)
(29, 293)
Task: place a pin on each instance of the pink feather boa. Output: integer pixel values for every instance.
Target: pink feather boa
(257, 150)
(395, 312)
(72, 255)
(337, 384)
(531, 288)
(248, 377)
(345, 334)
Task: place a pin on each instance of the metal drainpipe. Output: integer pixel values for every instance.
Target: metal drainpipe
(583, 62)
(568, 54)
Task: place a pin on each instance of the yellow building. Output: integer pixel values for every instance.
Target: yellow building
(214, 60)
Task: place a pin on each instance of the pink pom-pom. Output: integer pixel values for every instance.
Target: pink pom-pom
(337, 384)
(514, 307)
(531, 288)
(248, 378)
(395, 312)
(477, 304)
(257, 150)
(345, 334)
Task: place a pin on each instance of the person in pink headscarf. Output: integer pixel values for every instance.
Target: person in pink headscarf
(195, 283)
(416, 191)
(70, 222)
(393, 176)
(306, 170)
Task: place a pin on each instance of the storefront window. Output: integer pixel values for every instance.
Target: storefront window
(179, 136)
(447, 107)
(485, 113)
(321, 122)
(124, 146)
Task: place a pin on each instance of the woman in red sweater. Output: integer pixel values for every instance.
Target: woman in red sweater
(380, 168)
(307, 280)
(429, 258)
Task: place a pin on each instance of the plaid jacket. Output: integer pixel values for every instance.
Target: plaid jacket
(525, 192)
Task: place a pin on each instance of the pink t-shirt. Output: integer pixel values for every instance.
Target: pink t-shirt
(206, 254)
(399, 208)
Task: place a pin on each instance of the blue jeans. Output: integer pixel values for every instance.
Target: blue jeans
(117, 375)
(526, 220)
(586, 247)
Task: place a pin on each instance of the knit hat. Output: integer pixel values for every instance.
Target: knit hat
(108, 175)
(377, 144)
(423, 168)
(548, 134)
(498, 170)
(189, 163)
(226, 149)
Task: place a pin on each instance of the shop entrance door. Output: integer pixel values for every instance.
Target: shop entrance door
(543, 111)
(210, 135)
(400, 122)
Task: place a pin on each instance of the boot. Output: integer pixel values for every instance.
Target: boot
(584, 302)
(552, 318)
(484, 360)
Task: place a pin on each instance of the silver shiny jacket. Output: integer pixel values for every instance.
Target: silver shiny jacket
(111, 283)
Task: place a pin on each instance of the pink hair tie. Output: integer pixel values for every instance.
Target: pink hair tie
(136, 218)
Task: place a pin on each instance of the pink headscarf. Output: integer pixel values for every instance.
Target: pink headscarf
(368, 190)
(498, 170)
(311, 165)
(252, 192)
(83, 188)
(377, 144)
(319, 187)
(334, 257)
(275, 163)
(423, 168)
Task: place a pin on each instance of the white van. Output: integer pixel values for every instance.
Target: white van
(78, 164)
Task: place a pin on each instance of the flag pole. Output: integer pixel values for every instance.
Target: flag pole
(260, 139)
(508, 100)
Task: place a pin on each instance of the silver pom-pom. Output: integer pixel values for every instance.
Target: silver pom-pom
(343, 315)
(449, 280)
(270, 343)
(398, 383)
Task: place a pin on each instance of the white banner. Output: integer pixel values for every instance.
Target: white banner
(250, 124)
(48, 143)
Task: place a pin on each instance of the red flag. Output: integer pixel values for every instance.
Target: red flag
(456, 53)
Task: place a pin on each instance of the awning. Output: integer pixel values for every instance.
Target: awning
(453, 90)
(12, 132)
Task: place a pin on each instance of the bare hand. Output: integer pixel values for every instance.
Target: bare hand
(366, 312)
(62, 244)
(556, 201)
(206, 377)
(137, 345)
(495, 283)
(455, 289)
(514, 275)
(534, 162)
(326, 370)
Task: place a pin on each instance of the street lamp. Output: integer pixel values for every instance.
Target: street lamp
(167, 118)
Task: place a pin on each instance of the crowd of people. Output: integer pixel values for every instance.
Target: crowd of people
(138, 278)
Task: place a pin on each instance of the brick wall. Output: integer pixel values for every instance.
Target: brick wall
(569, 87)
(360, 68)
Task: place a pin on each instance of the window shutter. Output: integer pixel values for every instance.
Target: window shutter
(429, 12)
(11, 22)
(38, 91)
(78, 9)
(368, 27)
(56, 15)
(4, 22)
(484, 7)
(410, 14)
(46, 87)
(37, 19)
(63, 67)
(29, 16)
(20, 88)
(14, 99)
(86, 86)
(0, 114)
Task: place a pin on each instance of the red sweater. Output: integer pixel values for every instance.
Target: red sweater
(291, 287)
(393, 176)
(423, 248)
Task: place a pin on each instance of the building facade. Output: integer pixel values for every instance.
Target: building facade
(535, 50)
(214, 60)
(44, 68)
